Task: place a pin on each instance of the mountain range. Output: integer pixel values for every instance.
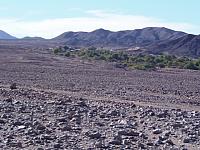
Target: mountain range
(151, 40)
(129, 38)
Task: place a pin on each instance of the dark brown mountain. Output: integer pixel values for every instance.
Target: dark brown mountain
(120, 39)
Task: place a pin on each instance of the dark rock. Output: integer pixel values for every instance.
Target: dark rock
(150, 144)
(47, 137)
(2, 121)
(62, 119)
(177, 125)
(57, 145)
(163, 114)
(93, 134)
(66, 128)
(170, 142)
(40, 148)
(116, 141)
(142, 146)
(114, 113)
(158, 142)
(15, 144)
(128, 133)
(142, 135)
(188, 140)
(17, 123)
(163, 138)
(13, 86)
(166, 133)
(82, 103)
(9, 100)
(4, 116)
(40, 127)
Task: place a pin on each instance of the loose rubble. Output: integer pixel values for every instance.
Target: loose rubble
(44, 120)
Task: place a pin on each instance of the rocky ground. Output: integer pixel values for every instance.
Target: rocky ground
(63, 103)
(47, 120)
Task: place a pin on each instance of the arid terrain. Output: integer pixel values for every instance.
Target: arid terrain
(68, 103)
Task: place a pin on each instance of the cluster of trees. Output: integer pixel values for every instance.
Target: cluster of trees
(142, 62)
(63, 50)
(163, 61)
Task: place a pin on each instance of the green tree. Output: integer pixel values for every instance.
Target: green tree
(191, 65)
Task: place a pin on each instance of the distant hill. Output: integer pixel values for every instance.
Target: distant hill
(6, 36)
(128, 38)
(188, 45)
(32, 38)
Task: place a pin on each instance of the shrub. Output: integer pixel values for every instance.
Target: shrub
(191, 65)
(67, 54)
(56, 50)
(123, 60)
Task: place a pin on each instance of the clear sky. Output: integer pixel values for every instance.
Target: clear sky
(49, 18)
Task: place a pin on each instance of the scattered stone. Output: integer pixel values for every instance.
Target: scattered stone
(142, 146)
(93, 134)
(170, 142)
(187, 140)
(128, 133)
(117, 140)
(2, 121)
(9, 100)
(62, 119)
(57, 145)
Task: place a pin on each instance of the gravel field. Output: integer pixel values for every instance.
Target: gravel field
(65, 103)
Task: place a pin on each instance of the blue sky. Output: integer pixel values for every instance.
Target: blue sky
(48, 18)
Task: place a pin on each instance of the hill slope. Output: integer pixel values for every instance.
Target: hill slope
(6, 36)
(128, 38)
(188, 45)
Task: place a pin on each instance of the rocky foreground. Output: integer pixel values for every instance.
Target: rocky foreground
(62, 103)
(37, 120)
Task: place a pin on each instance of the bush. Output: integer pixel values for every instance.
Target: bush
(67, 54)
(191, 65)
(56, 51)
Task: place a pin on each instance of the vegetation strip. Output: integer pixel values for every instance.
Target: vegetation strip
(123, 60)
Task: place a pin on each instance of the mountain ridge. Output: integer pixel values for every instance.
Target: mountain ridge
(126, 38)
(151, 40)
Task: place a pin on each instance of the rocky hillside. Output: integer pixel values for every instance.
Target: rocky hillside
(188, 45)
(6, 36)
(151, 40)
(129, 38)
